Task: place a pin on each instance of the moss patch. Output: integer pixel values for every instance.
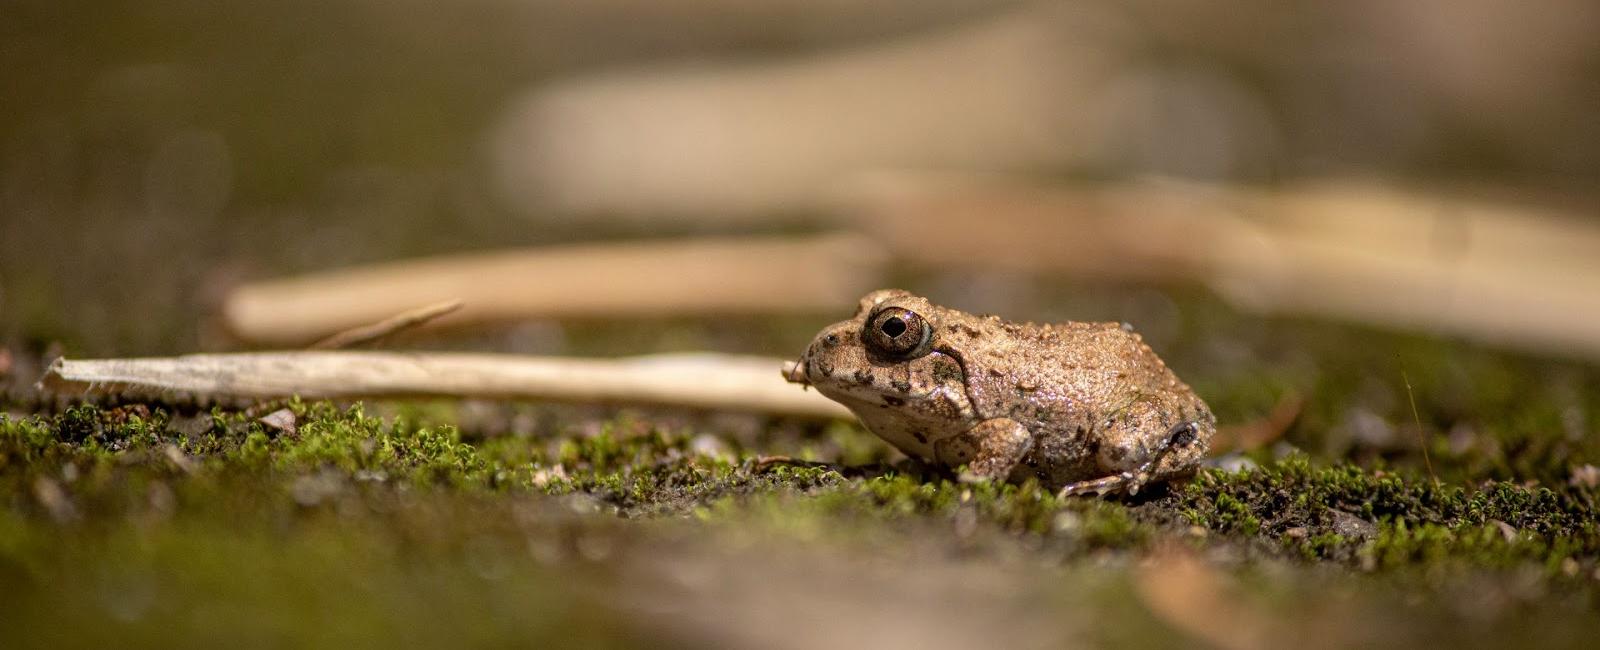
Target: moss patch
(173, 512)
(1389, 520)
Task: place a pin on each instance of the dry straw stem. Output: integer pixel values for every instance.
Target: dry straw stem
(1518, 274)
(629, 279)
(694, 381)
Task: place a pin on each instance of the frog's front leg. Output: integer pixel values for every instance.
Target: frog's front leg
(990, 450)
(1179, 437)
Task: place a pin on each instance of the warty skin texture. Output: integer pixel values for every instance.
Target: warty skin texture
(1087, 407)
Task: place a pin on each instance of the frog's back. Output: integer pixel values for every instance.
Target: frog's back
(1061, 376)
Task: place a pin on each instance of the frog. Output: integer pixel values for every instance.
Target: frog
(1081, 407)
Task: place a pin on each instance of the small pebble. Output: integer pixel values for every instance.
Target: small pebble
(1351, 526)
(1067, 521)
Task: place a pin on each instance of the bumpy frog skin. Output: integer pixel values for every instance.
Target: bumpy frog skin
(1084, 406)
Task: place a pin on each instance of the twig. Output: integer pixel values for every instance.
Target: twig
(1259, 432)
(695, 381)
(368, 333)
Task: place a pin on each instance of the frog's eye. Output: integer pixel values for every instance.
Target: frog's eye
(897, 333)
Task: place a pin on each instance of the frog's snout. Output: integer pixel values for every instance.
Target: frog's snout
(795, 372)
(826, 352)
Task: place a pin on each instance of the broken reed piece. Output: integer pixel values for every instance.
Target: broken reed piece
(400, 322)
(1517, 274)
(749, 275)
(705, 381)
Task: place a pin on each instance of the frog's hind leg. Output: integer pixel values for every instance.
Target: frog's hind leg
(1179, 439)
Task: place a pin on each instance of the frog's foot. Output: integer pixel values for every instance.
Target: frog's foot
(1129, 482)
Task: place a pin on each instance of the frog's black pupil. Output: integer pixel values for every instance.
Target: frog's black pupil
(894, 326)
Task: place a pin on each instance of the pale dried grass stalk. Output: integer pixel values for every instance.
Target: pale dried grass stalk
(693, 381)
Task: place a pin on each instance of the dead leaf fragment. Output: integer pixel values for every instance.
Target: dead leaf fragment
(281, 420)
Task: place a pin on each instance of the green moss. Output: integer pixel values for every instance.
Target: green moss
(636, 469)
(355, 442)
(346, 486)
(1229, 514)
(24, 441)
(1398, 520)
(430, 573)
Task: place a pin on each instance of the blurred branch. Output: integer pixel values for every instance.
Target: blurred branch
(696, 381)
(1505, 273)
(633, 279)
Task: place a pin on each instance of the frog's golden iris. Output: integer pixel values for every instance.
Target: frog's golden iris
(897, 333)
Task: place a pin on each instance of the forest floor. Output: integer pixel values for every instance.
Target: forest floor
(1424, 491)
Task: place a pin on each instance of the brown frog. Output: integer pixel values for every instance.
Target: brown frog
(1085, 406)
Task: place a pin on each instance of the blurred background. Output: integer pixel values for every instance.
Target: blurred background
(153, 155)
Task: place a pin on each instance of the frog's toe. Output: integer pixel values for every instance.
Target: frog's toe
(1120, 483)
